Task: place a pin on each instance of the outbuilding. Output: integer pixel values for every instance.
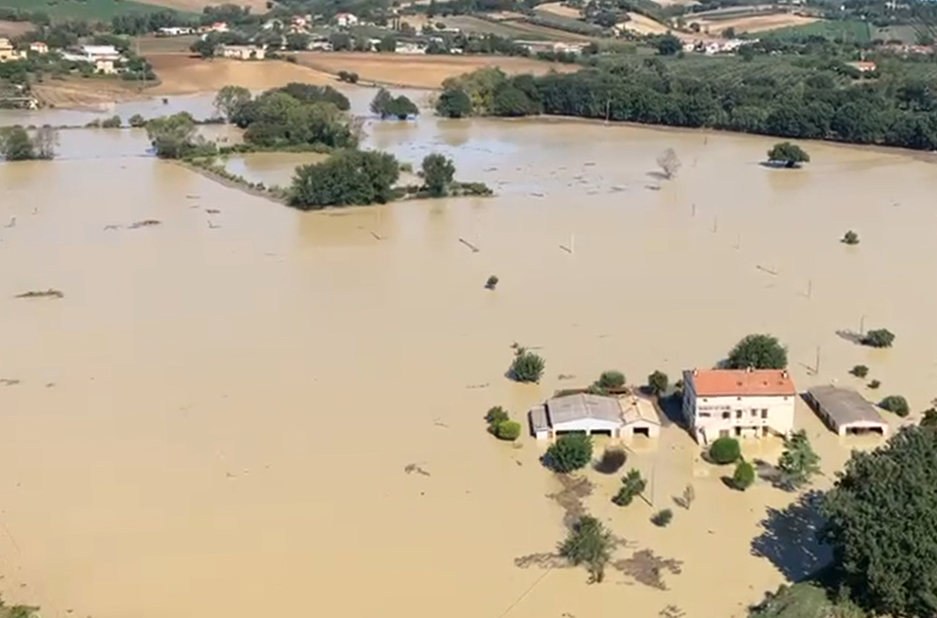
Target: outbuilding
(845, 411)
(640, 418)
(616, 417)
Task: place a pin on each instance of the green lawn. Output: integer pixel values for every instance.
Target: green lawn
(849, 30)
(89, 10)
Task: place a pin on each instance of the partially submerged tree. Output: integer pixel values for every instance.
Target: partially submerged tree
(569, 452)
(799, 462)
(137, 121)
(669, 163)
(589, 543)
(757, 352)
(662, 518)
(850, 238)
(929, 418)
(725, 450)
(879, 338)
(788, 154)
(454, 104)
(437, 174)
(230, 99)
(880, 522)
(631, 486)
(347, 177)
(386, 105)
(527, 366)
(860, 371)
(15, 144)
(610, 379)
(657, 382)
(174, 136)
(492, 282)
(744, 476)
(896, 404)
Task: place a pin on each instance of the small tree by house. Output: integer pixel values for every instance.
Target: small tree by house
(662, 518)
(589, 543)
(527, 366)
(744, 476)
(492, 282)
(437, 174)
(799, 462)
(860, 371)
(454, 104)
(496, 415)
(657, 382)
(631, 486)
(896, 404)
(613, 458)
(929, 418)
(850, 238)
(508, 430)
(569, 452)
(757, 352)
(788, 154)
(610, 379)
(669, 163)
(725, 451)
(879, 338)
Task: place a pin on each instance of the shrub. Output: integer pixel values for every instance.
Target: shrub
(757, 352)
(799, 462)
(744, 476)
(612, 460)
(610, 379)
(850, 238)
(527, 366)
(114, 122)
(657, 382)
(725, 451)
(860, 371)
(569, 452)
(437, 174)
(15, 144)
(348, 77)
(496, 415)
(632, 485)
(492, 282)
(929, 418)
(896, 404)
(791, 155)
(386, 105)
(669, 163)
(348, 177)
(589, 543)
(879, 338)
(137, 121)
(454, 104)
(508, 430)
(874, 384)
(662, 518)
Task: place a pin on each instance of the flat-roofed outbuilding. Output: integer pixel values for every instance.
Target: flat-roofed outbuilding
(845, 411)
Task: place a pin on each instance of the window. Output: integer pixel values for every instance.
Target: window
(738, 414)
(764, 413)
(726, 415)
(754, 413)
(704, 414)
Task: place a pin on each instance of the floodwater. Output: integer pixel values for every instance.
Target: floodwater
(219, 416)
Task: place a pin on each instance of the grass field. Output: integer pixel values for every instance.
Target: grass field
(164, 45)
(91, 10)
(849, 30)
(511, 29)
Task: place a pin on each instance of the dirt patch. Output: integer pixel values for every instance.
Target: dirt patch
(558, 8)
(183, 74)
(196, 6)
(81, 92)
(755, 23)
(11, 29)
(419, 71)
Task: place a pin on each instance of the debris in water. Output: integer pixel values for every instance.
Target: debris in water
(469, 245)
(411, 468)
(565, 376)
(9, 382)
(144, 223)
(212, 211)
(50, 293)
(473, 386)
(111, 227)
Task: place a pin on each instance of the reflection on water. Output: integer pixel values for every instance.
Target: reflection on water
(270, 168)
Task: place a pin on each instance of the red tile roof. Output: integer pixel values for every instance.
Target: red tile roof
(739, 382)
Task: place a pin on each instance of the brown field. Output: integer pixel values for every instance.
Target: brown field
(755, 23)
(558, 8)
(641, 24)
(183, 74)
(147, 45)
(14, 28)
(419, 71)
(511, 28)
(79, 92)
(196, 6)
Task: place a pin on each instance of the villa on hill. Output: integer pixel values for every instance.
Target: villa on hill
(738, 403)
(617, 417)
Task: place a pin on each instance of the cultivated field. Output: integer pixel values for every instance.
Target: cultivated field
(80, 9)
(754, 22)
(418, 71)
(848, 30)
(511, 28)
(14, 28)
(196, 6)
(559, 9)
(641, 24)
(79, 92)
(147, 45)
(182, 74)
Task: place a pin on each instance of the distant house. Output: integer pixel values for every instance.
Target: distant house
(845, 411)
(738, 402)
(241, 52)
(346, 20)
(320, 45)
(174, 31)
(104, 58)
(618, 417)
(863, 66)
(411, 48)
(7, 52)
(39, 47)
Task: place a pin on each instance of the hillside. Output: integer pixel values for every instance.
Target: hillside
(196, 6)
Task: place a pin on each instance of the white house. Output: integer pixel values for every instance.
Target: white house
(103, 57)
(39, 47)
(622, 417)
(241, 52)
(346, 20)
(738, 402)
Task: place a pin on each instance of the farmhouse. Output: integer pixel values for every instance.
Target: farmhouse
(863, 66)
(845, 411)
(241, 52)
(39, 47)
(346, 20)
(103, 57)
(7, 52)
(623, 417)
(738, 403)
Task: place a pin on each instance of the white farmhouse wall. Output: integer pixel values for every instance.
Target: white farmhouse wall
(588, 425)
(750, 414)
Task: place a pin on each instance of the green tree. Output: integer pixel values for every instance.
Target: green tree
(631, 486)
(757, 352)
(744, 476)
(610, 379)
(297, 41)
(511, 101)
(799, 462)
(508, 430)
(230, 99)
(791, 155)
(114, 122)
(657, 382)
(174, 136)
(613, 458)
(137, 121)
(388, 44)
(496, 415)
(527, 366)
(437, 174)
(381, 102)
(15, 144)
(879, 338)
(387, 106)
(860, 371)
(850, 238)
(589, 543)
(929, 418)
(662, 518)
(880, 523)
(668, 45)
(896, 404)
(454, 104)
(725, 450)
(347, 177)
(568, 453)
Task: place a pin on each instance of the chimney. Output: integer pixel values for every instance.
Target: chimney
(784, 373)
(695, 372)
(750, 369)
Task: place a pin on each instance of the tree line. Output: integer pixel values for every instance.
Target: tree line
(813, 104)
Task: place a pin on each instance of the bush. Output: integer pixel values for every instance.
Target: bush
(662, 518)
(492, 282)
(454, 104)
(137, 121)
(850, 238)
(15, 144)
(860, 371)
(348, 177)
(657, 382)
(744, 476)
(527, 366)
(896, 404)
(632, 485)
(589, 543)
(879, 338)
(874, 384)
(496, 415)
(348, 77)
(113, 122)
(569, 452)
(508, 430)
(929, 418)
(437, 174)
(386, 105)
(757, 352)
(610, 379)
(791, 155)
(725, 451)
(612, 460)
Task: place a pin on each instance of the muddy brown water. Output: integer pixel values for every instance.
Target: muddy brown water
(217, 417)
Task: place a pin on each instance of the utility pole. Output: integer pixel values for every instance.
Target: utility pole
(862, 326)
(817, 367)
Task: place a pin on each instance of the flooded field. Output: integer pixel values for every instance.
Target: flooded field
(255, 410)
